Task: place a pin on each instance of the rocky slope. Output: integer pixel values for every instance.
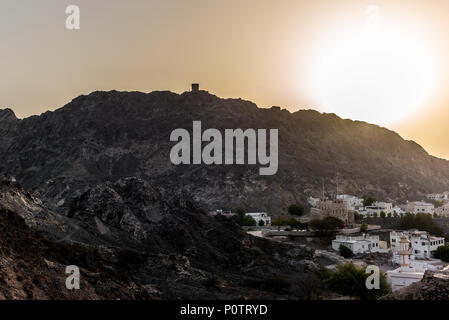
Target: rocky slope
(132, 242)
(107, 136)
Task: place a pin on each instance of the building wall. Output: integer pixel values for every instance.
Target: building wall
(260, 216)
(359, 244)
(442, 211)
(419, 207)
(422, 244)
(332, 208)
(399, 280)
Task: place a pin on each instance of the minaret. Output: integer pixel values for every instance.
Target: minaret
(404, 251)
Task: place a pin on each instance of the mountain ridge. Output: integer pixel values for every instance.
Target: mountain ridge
(106, 136)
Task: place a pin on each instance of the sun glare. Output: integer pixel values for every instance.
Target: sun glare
(376, 74)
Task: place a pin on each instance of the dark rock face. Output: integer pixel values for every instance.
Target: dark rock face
(107, 136)
(34, 268)
(133, 242)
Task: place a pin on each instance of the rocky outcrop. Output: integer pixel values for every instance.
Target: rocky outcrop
(7, 115)
(31, 267)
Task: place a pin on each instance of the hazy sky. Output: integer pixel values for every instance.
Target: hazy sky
(292, 53)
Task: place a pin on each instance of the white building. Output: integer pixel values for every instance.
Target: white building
(405, 275)
(443, 211)
(422, 244)
(352, 202)
(260, 216)
(379, 207)
(358, 244)
(399, 211)
(439, 196)
(419, 207)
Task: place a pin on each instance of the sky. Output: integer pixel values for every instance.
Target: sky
(383, 62)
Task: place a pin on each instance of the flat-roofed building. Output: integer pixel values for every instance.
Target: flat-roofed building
(358, 244)
(419, 207)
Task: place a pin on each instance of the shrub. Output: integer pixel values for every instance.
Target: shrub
(326, 226)
(442, 253)
(249, 221)
(345, 251)
(291, 222)
(350, 280)
(368, 200)
(364, 227)
(423, 222)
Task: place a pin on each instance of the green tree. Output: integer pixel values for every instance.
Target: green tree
(375, 214)
(325, 226)
(421, 221)
(382, 215)
(350, 280)
(395, 215)
(296, 209)
(442, 253)
(389, 215)
(249, 221)
(368, 200)
(261, 223)
(345, 251)
(281, 221)
(240, 216)
(364, 227)
(242, 219)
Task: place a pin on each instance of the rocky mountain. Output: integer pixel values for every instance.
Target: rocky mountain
(95, 187)
(107, 136)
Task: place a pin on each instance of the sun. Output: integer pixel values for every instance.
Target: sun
(375, 74)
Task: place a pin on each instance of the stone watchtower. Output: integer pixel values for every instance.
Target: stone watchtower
(195, 87)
